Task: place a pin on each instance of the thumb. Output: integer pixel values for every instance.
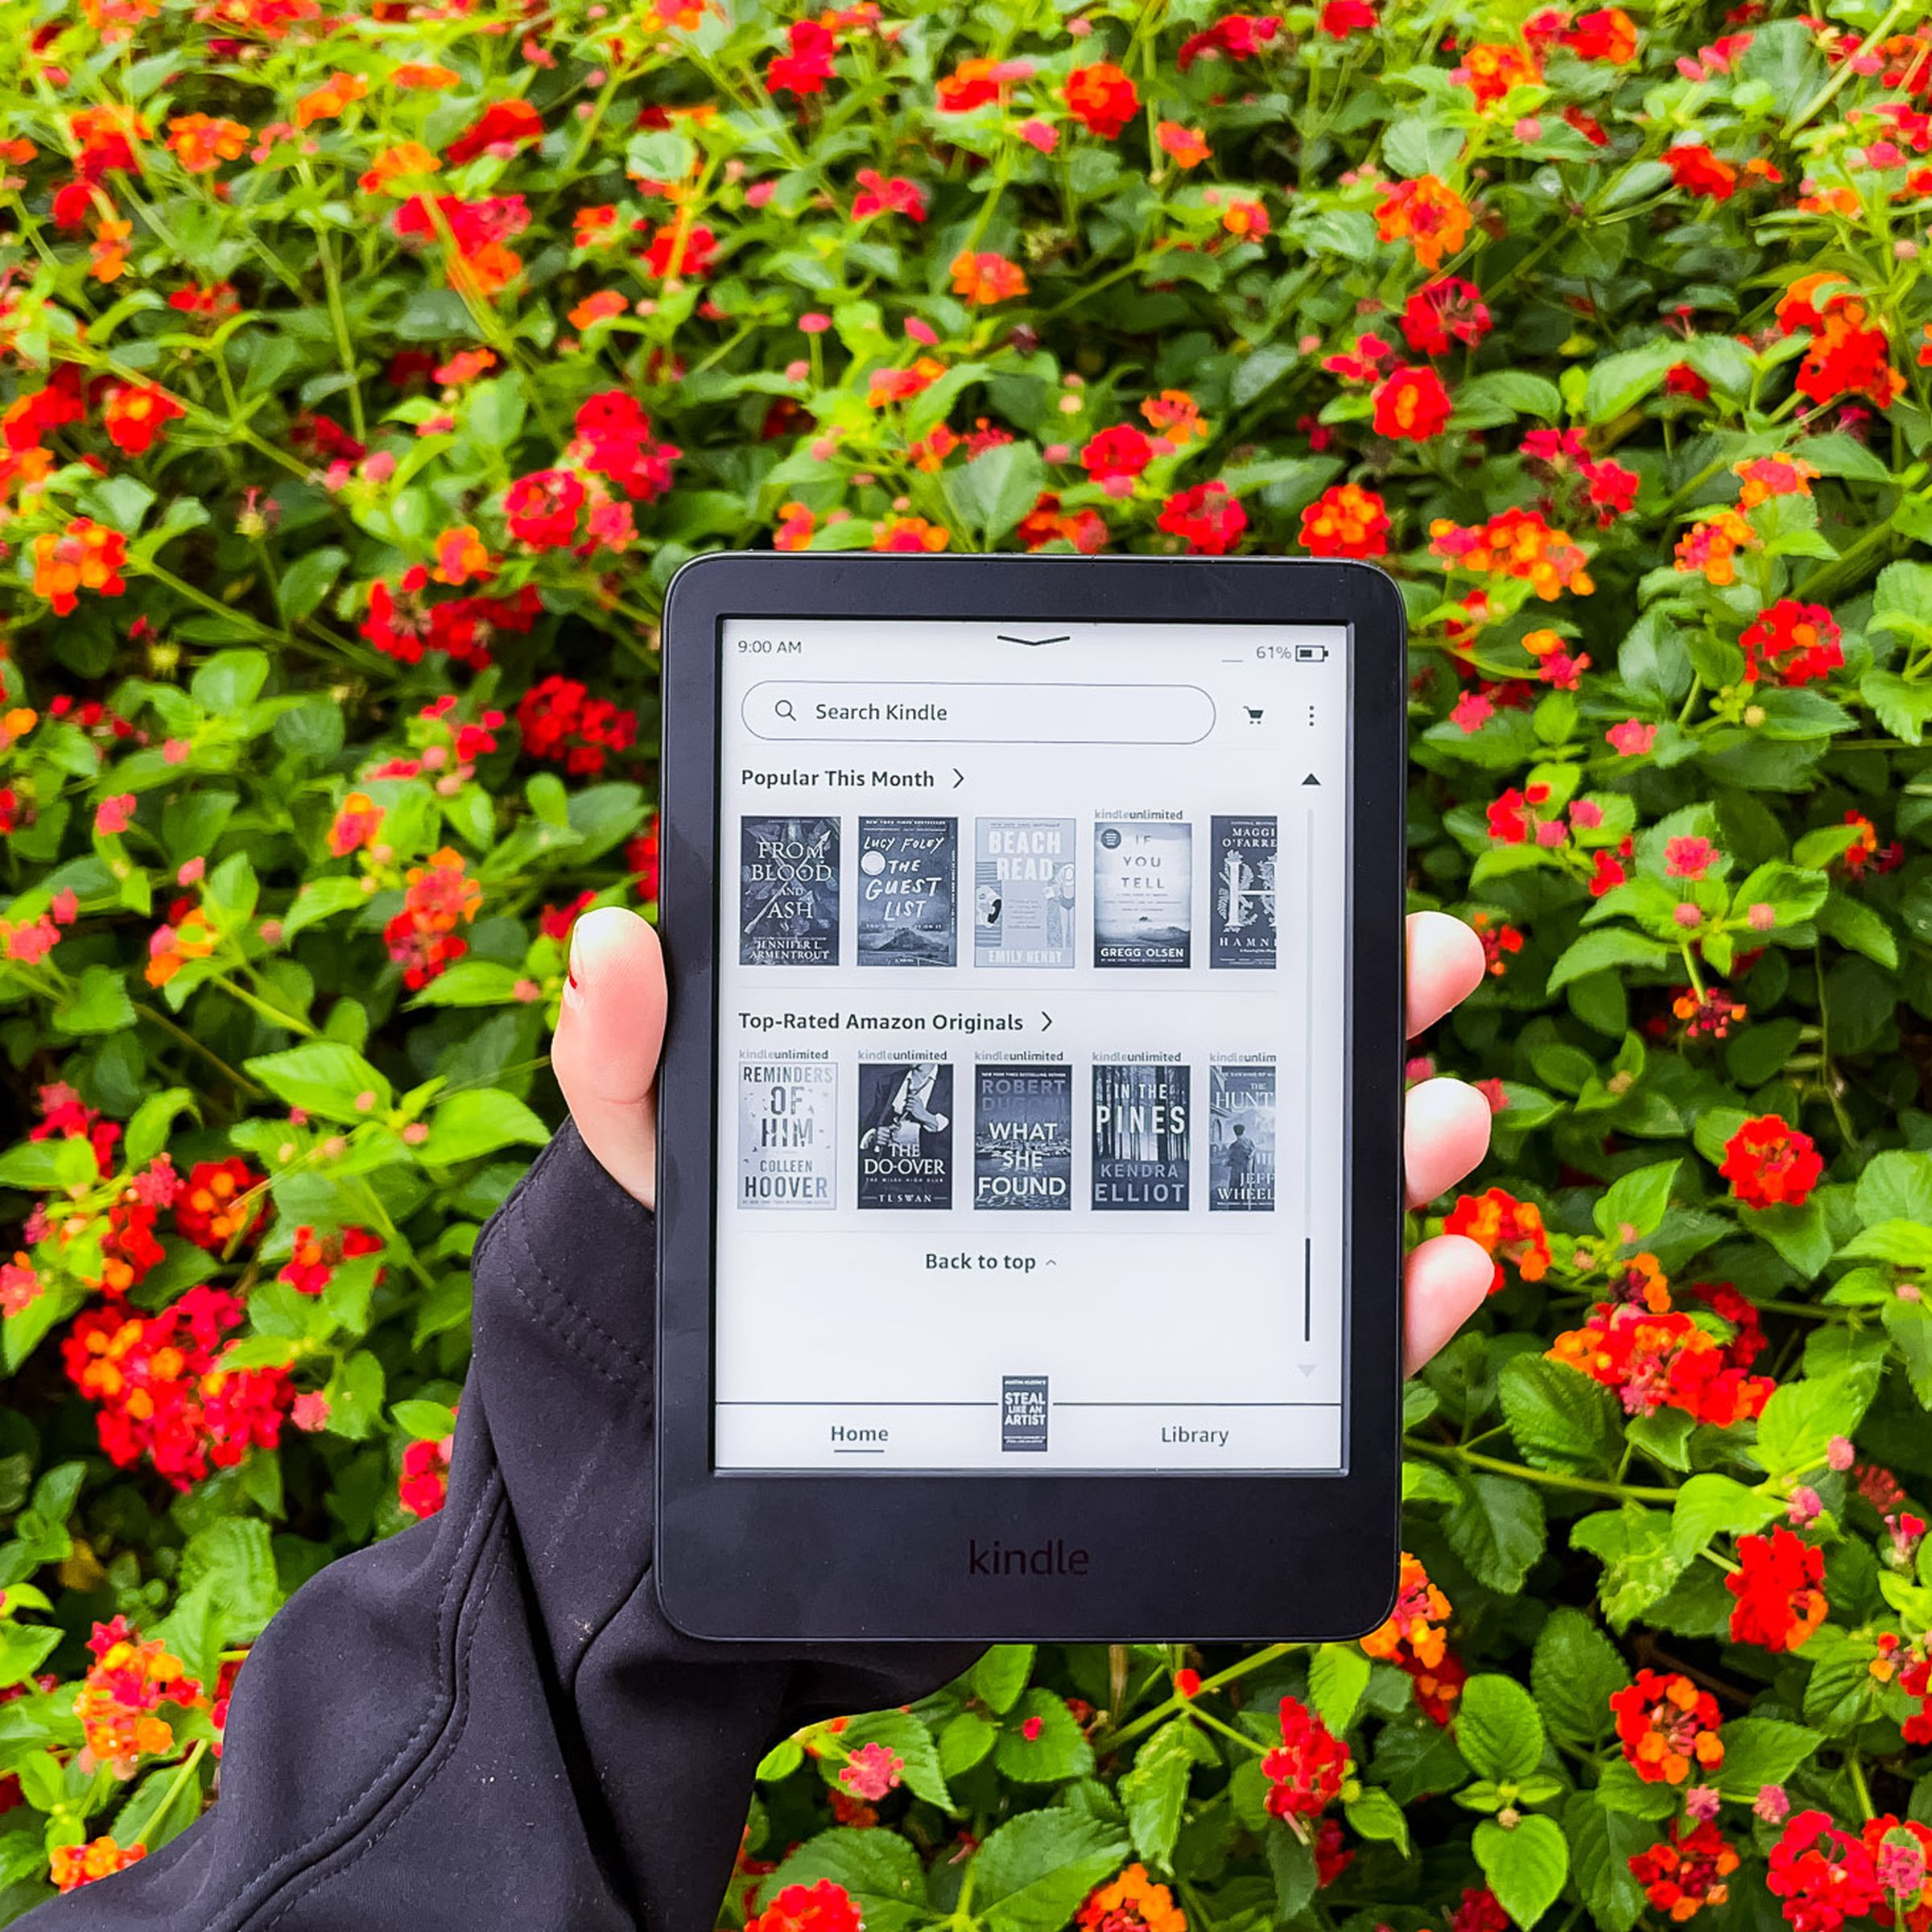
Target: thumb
(609, 1032)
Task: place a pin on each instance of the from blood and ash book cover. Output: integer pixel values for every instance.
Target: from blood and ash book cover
(1024, 878)
(1022, 1138)
(905, 1135)
(907, 870)
(788, 892)
(1143, 892)
(1242, 930)
(1139, 1138)
(788, 1119)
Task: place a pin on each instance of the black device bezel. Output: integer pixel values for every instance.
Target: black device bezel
(788, 1555)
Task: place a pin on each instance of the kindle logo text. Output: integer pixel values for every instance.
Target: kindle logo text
(1051, 1558)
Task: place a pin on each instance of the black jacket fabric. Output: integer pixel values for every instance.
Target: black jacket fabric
(486, 1723)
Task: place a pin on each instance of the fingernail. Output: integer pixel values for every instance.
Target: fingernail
(573, 992)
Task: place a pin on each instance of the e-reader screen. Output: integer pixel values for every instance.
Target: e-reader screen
(1031, 1024)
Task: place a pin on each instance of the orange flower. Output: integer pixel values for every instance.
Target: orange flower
(986, 279)
(135, 415)
(358, 825)
(72, 1866)
(1413, 1633)
(426, 75)
(107, 256)
(461, 554)
(1101, 98)
(901, 385)
(1490, 72)
(1175, 415)
(1509, 1229)
(1517, 543)
(200, 142)
(1346, 521)
(795, 532)
(407, 160)
(1132, 1903)
(1763, 477)
(1712, 546)
(1247, 220)
(1187, 146)
(119, 1702)
(173, 946)
(909, 534)
(86, 555)
(1428, 214)
(334, 97)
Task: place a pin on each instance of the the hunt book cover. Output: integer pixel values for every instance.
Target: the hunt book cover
(788, 892)
(1143, 892)
(905, 1135)
(1243, 898)
(905, 891)
(1023, 879)
(1022, 1138)
(1139, 1138)
(1240, 1146)
(788, 1119)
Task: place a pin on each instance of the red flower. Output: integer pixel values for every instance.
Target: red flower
(1668, 1727)
(807, 67)
(1339, 19)
(438, 896)
(681, 249)
(562, 723)
(641, 857)
(499, 130)
(1346, 521)
(878, 195)
(1509, 1229)
(1428, 214)
(1208, 518)
(71, 1867)
(1236, 36)
(541, 509)
(1479, 1912)
(316, 1257)
(1411, 404)
(135, 415)
(824, 1907)
(1116, 457)
(1770, 1163)
(211, 1209)
(1609, 34)
(86, 555)
(1689, 858)
(1102, 98)
(1697, 170)
(1779, 1602)
(1086, 529)
(1306, 1771)
(1823, 1875)
(1797, 643)
(1447, 309)
(423, 1487)
(978, 83)
(982, 279)
(613, 440)
(1686, 1871)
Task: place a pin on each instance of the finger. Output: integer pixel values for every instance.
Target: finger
(1445, 1133)
(1444, 1284)
(1445, 967)
(609, 1032)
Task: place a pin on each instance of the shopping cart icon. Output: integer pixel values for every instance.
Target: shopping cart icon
(1254, 717)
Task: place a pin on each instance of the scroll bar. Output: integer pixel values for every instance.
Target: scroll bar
(1308, 1090)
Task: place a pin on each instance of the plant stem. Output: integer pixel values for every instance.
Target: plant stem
(1175, 1705)
(1550, 1479)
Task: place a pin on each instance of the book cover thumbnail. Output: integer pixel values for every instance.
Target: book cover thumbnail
(1143, 892)
(905, 892)
(1022, 1141)
(905, 1135)
(1240, 1146)
(1023, 879)
(788, 1118)
(788, 892)
(1243, 898)
(1139, 1138)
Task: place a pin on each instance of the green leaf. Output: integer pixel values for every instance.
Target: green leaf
(324, 899)
(1799, 1421)
(50, 1165)
(991, 493)
(1291, 1865)
(1057, 1750)
(1601, 1846)
(1600, 951)
(1709, 1505)
(1621, 382)
(1497, 1729)
(229, 681)
(1498, 1532)
(468, 1125)
(1375, 1815)
(305, 582)
(1526, 1867)
(1855, 925)
(1894, 1185)
(97, 1003)
(1762, 1750)
(1155, 1792)
(1561, 1418)
(879, 1869)
(1338, 1674)
(1574, 1671)
(1001, 1675)
(966, 1741)
(473, 983)
(1636, 1202)
(1032, 1874)
(324, 1078)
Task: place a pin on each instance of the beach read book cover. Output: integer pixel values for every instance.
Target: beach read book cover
(1143, 892)
(788, 892)
(1024, 877)
(904, 894)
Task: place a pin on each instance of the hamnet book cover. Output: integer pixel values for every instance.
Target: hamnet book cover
(905, 1135)
(906, 868)
(788, 1122)
(1240, 1140)
(1140, 1139)
(788, 892)
(1143, 892)
(1242, 934)
(1022, 1138)
(1024, 877)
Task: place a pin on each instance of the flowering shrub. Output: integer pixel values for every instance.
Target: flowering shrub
(363, 379)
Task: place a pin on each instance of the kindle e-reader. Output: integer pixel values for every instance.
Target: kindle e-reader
(1029, 1217)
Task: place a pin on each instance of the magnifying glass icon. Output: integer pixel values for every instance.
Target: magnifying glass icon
(783, 709)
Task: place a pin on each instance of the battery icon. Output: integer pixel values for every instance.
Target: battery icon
(1311, 654)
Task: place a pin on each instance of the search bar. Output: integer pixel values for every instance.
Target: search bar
(891, 710)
